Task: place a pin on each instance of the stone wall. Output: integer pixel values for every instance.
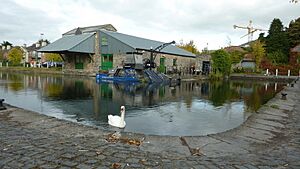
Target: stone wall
(182, 63)
(90, 63)
(200, 59)
(118, 60)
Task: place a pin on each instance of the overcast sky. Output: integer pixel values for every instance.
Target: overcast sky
(209, 21)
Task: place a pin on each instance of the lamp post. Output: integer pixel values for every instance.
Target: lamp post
(157, 49)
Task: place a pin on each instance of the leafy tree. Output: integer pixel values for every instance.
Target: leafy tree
(261, 37)
(15, 56)
(258, 52)
(53, 57)
(277, 57)
(221, 62)
(277, 40)
(294, 32)
(191, 47)
(236, 56)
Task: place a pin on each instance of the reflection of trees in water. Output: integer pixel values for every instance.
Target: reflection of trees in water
(221, 92)
(260, 95)
(75, 90)
(66, 89)
(255, 94)
(53, 90)
(16, 82)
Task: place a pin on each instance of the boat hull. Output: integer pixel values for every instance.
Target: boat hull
(105, 77)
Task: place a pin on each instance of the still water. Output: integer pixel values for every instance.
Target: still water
(193, 108)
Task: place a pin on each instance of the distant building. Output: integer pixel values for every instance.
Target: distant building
(4, 49)
(203, 64)
(25, 58)
(90, 49)
(248, 62)
(295, 55)
(32, 55)
(234, 48)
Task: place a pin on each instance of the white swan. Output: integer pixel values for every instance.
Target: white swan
(117, 121)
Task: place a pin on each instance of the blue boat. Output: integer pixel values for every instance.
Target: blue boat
(119, 75)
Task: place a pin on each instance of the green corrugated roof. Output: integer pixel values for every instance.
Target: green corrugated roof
(83, 43)
(146, 44)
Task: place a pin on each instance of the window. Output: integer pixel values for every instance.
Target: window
(78, 62)
(174, 62)
(104, 41)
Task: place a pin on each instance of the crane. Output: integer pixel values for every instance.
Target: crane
(250, 29)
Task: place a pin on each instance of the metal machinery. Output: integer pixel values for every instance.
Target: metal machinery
(153, 53)
(250, 29)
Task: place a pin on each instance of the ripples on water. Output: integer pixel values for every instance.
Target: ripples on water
(193, 108)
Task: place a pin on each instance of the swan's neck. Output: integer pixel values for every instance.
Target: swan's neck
(122, 117)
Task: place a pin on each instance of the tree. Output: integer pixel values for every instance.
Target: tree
(236, 56)
(294, 32)
(277, 40)
(6, 43)
(53, 57)
(191, 47)
(221, 62)
(258, 52)
(277, 57)
(261, 37)
(15, 56)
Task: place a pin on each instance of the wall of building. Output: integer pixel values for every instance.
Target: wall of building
(182, 63)
(90, 63)
(248, 64)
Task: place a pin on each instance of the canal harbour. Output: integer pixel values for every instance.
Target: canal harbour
(188, 109)
(115, 86)
(29, 139)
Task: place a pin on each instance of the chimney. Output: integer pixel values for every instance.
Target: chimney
(44, 43)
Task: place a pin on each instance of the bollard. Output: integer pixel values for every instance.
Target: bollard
(1, 104)
(283, 96)
(276, 72)
(289, 73)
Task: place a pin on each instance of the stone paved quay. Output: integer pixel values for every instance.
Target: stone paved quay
(269, 138)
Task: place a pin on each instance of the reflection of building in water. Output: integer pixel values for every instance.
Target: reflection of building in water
(156, 94)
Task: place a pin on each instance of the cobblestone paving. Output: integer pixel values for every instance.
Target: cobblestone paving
(269, 139)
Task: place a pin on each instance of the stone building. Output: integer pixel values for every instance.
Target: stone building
(4, 49)
(90, 49)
